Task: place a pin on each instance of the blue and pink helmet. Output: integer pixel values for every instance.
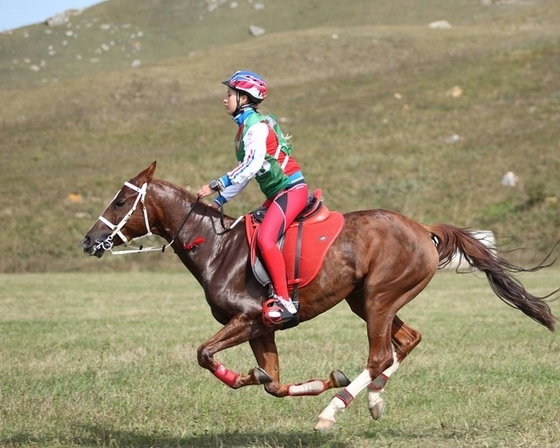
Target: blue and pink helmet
(248, 83)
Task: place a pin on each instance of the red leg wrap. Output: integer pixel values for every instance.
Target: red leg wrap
(225, 375)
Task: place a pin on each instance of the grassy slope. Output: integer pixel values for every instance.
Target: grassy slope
(333, 74)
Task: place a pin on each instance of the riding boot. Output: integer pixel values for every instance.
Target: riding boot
(279, 308)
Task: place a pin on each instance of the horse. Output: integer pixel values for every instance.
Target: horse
(378, 263)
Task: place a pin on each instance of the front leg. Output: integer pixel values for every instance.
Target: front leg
(266, 354)
(241, 328)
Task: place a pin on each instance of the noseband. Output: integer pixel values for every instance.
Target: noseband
(108, 243)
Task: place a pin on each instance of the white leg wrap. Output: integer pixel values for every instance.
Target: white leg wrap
(313, 387)
(330, 411)
(339, 404)
(360, 383)
(344, 397)
(374, 393)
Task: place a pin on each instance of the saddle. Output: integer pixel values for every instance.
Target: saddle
(304, 244)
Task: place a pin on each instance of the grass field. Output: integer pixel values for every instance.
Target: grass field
(103, 359)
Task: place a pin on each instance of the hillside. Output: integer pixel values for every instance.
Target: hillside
(366, 90)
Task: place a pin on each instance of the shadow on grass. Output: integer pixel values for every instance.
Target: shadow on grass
(94, 436)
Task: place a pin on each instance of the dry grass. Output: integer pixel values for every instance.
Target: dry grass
(334, 80)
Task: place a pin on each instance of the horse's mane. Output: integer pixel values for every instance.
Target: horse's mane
(191, 198)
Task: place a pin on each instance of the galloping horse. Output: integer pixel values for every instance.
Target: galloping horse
(378, 263)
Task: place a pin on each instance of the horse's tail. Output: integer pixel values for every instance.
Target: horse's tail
(499, 272)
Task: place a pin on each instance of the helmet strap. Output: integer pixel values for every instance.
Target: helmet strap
(237, 99)
(239, 108)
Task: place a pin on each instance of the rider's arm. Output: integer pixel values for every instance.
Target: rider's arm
(230, 192)
(255, 151)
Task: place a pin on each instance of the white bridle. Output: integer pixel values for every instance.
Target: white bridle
(116, 229)
(107, 244)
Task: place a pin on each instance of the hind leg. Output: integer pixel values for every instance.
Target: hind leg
(390, 341)
(381, 357)
(376, 310)
(404, 339)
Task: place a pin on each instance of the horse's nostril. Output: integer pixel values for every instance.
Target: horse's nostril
(85, 242)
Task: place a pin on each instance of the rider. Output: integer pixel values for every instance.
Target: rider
(263, 153)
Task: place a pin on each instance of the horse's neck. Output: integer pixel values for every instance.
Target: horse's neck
(178, 210)
(189, 223)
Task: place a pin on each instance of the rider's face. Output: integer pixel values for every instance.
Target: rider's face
(230, 101)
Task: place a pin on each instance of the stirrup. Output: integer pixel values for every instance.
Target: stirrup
(275, 306)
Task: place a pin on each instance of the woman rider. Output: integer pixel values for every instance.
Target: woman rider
(262, 153)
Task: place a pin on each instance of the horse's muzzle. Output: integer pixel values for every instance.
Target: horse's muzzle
(92, 247)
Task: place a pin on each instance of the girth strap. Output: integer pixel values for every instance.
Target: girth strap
(297, 261)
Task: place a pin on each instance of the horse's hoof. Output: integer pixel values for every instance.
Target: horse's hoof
(339, 379)
(377, 409)
(261, 376)
(323, 424)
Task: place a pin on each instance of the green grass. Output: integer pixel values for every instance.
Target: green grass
(109, 360)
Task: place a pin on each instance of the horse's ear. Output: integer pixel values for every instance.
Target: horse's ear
(146, 175)
(151, 170)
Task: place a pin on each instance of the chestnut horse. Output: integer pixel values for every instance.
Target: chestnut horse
(379, 262)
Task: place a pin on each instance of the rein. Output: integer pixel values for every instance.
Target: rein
(108, 243)
(226, 229)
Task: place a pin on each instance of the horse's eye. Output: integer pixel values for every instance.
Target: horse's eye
(120, 203)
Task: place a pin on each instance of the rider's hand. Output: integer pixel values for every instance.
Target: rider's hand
(204, 191)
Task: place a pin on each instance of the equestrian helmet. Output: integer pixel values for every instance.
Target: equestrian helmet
(248, 83)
